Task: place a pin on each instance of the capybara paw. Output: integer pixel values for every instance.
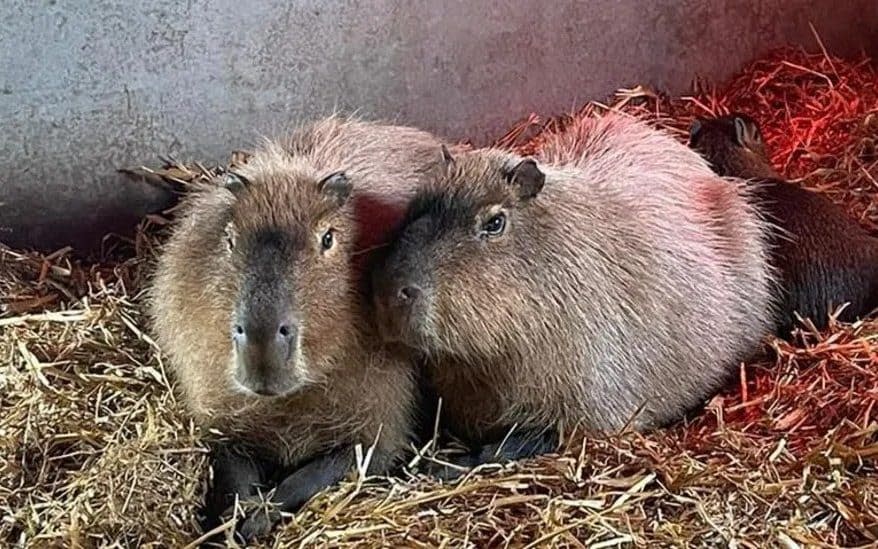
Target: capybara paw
(257, 524)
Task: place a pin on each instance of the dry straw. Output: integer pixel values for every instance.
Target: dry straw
(96, 451)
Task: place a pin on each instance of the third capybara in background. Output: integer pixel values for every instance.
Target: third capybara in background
(824, 257)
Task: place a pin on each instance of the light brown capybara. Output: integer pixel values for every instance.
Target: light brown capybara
(615, 278)
(258, 302)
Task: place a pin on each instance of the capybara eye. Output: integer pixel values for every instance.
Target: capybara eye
(328, 240)
(495, 226)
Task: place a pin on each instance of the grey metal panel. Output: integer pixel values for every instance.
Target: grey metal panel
(87, 87)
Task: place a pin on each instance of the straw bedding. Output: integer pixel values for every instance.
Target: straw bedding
(96, 451)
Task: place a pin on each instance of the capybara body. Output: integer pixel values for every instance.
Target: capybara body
(824, 257)
(617, 278)
(257, 301)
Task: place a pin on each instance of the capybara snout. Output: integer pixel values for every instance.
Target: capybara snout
(264, 346)
(403, 287)
(265, 322)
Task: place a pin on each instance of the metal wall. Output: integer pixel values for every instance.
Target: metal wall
(88, 87)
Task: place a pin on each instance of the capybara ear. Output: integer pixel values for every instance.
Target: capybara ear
(694, 130)
(234, 182)
(336, 187)
(527, 179)
(447, 162)
(446, 155)
(747, 131)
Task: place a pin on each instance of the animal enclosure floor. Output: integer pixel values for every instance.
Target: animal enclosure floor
(96, 451)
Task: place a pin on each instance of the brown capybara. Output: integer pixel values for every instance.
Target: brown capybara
(257, 301)
(824, 258)
(614, 279)
(733, 145)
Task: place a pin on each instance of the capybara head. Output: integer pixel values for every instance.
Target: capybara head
(281, 265)
(732, 144)
(454, 277)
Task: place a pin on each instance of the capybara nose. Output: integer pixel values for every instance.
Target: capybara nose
(239, 335)
(408, 295)
(287, 331)
(263, 348)
(283, 334)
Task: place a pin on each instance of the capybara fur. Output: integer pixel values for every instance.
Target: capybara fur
(258, 303)
(825, 259)
(614, 279)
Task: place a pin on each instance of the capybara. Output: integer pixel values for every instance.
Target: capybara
(824, 258)
(614, 279)
(733, 145)
(258, 302)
